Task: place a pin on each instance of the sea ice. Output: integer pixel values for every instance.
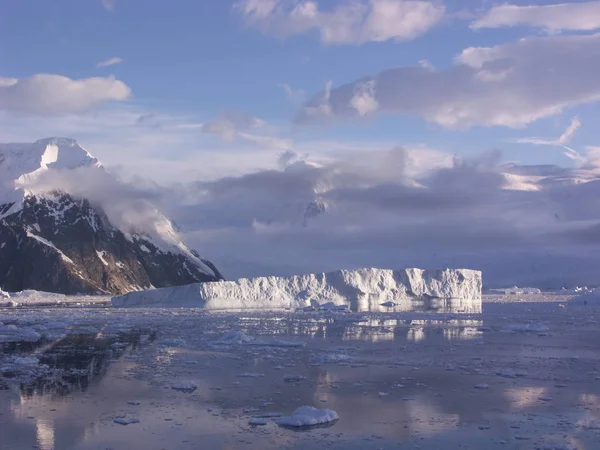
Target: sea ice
(307, 416)
(235, 337)
(293, 378)
(126, 421)
(184, 387)
(257, 421)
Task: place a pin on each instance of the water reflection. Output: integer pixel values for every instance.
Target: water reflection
(76, 360)
(371, 328)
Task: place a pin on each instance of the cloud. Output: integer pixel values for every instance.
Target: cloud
(375, 212)
(294, 95)
(229, 123)
(232, 125)
(140, 142)
(110, 62)
(561, 141)
(584, 16)
(508, 85)
(47, 95)
(109, 5)
(349, 22)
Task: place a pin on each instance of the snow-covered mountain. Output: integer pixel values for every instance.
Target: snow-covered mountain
(64, 227)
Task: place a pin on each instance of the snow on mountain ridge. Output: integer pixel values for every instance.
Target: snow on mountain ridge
(21, 165)
(48, 168)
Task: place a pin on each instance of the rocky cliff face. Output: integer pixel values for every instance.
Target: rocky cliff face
(56, 242)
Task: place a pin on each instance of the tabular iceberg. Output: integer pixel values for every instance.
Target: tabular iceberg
(360, 290)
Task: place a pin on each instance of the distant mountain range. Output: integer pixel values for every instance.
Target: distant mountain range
(53, 238)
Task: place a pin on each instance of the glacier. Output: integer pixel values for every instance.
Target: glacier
(360, 290)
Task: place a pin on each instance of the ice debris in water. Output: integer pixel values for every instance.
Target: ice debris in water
(122, 420)
(250, 375)
(278, 343)
(184, 387)
(235, 337)
(526, 328)
(293, 378)
(325, 358)
(307, 416)
(172, 343)
(482, 386)
(257, 421)
(12, 333)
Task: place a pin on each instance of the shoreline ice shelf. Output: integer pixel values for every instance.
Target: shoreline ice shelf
(452, 290)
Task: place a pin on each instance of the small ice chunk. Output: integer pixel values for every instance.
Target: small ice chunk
(250, 375)
(307, 416)
(527, 328)
(325, 358)
(256, 421)
(389, 304)
(293, 378)
(235, 337)
(278, 343)
(172, 343)
(482, 386)
(134, 403)
(126, 420)
(267, 415)
(184, 386)
(26, 361)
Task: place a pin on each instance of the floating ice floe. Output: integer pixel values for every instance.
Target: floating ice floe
(293, 378)
(184, 386)
(172, 342)
(587, 298)
(516, 291)
(235, 337)
(526, 328)
(359, 290)
(307, 416)
(13, 333)
(122, 420)
(256, 421)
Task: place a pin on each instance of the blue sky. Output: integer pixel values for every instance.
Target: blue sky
(181, 66)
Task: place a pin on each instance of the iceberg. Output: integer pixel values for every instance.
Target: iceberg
(4, 294)
(359, 290)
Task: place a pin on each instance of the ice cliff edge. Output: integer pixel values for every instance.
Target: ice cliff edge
(360, 290)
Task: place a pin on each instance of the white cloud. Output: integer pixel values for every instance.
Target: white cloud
(561, 141)
(168, 149)
(110, 62)
(363, 100)
(109, 5)
(349, 22)
(507, 85)
(584, 16)
(378, 214)
(229, 123)
(46, 94)
(294, 95)
(232, 125)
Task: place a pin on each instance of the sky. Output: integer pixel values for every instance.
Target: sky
(247, 111)
(151, 83)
